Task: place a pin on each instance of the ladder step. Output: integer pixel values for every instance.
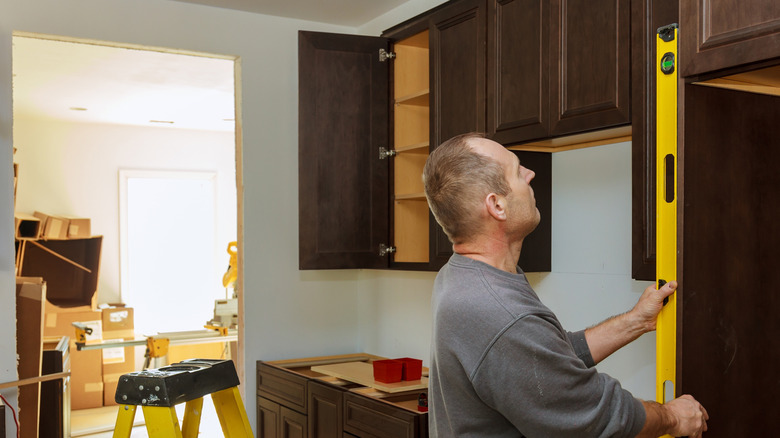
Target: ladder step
(176, 383)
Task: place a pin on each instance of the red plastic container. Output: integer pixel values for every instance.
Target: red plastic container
(388, 370)
(412, 369)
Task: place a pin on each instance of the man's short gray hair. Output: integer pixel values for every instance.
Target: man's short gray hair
(456, 180)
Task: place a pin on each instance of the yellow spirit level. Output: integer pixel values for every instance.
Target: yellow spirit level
(666, 207)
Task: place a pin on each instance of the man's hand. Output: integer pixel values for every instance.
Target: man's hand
(646, 310)
(609, 336)
(690, 414)
(683, 416)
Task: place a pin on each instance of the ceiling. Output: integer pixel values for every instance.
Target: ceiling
(92, 83)
(351, 13)
(100, 84)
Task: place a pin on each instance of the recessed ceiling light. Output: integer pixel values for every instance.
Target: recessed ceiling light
(77, 108)
(170, 122)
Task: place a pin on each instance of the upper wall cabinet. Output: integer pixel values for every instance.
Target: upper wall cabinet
(557, 68)
(715, 35)
(370, 111)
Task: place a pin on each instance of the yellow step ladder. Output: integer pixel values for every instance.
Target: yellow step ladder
(159, 390)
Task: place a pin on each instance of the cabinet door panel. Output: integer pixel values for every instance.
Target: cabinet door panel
(458, 80)
(589, 64)
(727, 319)
(292, 424)
(646, 17)
(267, 418)
(343, 121)
(727, 33)
(518, 70)
(325, 406)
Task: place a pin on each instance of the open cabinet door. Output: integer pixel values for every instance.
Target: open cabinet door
(728, 323)
(343, 121)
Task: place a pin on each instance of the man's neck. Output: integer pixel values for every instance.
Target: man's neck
(495, 252)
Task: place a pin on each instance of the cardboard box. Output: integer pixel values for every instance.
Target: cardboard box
(117, 322)
(86, 366)
(70, 268)
(53, 227)
(30, 295)
(117, 325)
(79, 227)
(26, 226)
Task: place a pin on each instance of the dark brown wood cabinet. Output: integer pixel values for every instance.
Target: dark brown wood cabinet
(717, 40)
(727, 33)
(557, 68)
(282, 403)
(333, 408)
(646, 17)
(458, 96)
(729, 201)
(728, 255)
(362, 208)
(325, 410)
(343, 120)
(368, 417)
(518, 71)
(589, 65)
(276, 420)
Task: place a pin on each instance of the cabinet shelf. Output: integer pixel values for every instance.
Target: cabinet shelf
(410, 196)
(421, 98)
(421, 148)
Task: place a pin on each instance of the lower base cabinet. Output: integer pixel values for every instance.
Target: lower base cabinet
(295, 402)
(275, 420)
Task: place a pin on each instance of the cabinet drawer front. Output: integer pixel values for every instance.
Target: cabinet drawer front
(366, 417)
(281, 386)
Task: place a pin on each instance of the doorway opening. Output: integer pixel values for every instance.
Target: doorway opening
(104, 131)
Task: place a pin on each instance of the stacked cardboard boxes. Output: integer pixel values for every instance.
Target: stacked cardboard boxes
(86, 366)
(117, 324)
(48, 227)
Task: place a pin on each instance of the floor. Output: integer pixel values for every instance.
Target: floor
(99, 422)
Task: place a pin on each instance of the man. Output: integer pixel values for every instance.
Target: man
(502, 365)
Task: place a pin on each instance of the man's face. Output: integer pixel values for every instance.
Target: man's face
(522, 214)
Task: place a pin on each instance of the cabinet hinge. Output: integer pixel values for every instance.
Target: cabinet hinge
(385, 250)
(384, 55)
(386, 153)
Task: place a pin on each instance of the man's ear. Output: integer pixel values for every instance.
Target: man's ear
(496, 206)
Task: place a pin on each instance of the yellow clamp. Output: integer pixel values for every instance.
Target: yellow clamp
(157, 347)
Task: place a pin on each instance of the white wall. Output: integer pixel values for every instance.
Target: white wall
(71, 169)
